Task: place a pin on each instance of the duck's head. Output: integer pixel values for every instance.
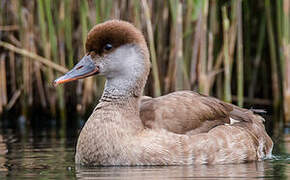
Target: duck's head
(114, 49)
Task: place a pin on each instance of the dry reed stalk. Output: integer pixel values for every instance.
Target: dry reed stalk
(88, 82)
(210, 52)
(1, 86)
(210, 72)
(211, 41)
(34, 66)
(181, 75)
(34, 56)
(136, 13)
(13, 99)
(30, 45)
(171, 70)
(116, 13)
(130, 9)
(3, 83)
(187, 38)
(40, 85)
(14, 41)
(9, 28)
(202, 63)
(176, 74)
(160, 24)
(12, 71)
(219, 86)
(163, 50)
(98, 89)
(207, 73)
(195, 47)
(25, 36)
(157, 89)
(1, 106)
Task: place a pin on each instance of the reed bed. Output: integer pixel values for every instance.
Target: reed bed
(237, 51)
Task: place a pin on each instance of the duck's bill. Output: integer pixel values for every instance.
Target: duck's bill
(84, 68)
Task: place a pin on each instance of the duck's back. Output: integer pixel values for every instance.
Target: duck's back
(188, 112)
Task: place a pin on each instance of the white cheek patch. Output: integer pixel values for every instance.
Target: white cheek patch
(123, 68)
(126, 60)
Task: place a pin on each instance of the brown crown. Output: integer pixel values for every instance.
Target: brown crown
(115, 32)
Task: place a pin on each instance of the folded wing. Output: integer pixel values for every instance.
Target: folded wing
(188, 112)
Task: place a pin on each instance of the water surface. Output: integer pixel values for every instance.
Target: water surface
(48, 153)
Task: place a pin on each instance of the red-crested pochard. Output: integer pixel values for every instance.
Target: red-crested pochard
(180, 128)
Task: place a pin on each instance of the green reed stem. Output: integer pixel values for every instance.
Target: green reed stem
(227, 73)
(54, 51)
(240, 61)
(261, 40)
(273, 58)
(68, 32)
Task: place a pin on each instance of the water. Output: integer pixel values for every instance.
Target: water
(48, 153)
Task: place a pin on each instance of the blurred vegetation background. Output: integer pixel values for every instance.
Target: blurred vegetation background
(236, 50)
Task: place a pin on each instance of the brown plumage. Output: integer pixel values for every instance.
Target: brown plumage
(180, 128)
(183, 112)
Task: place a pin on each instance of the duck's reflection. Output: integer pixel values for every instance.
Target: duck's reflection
(3, 152)
(248, 170)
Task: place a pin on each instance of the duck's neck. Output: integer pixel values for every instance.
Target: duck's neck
(120, 105)
(126, 71)
(125, 82)
(123, 92)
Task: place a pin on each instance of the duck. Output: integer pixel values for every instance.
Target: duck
(180, 128)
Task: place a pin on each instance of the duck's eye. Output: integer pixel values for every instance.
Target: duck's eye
(108, 47)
